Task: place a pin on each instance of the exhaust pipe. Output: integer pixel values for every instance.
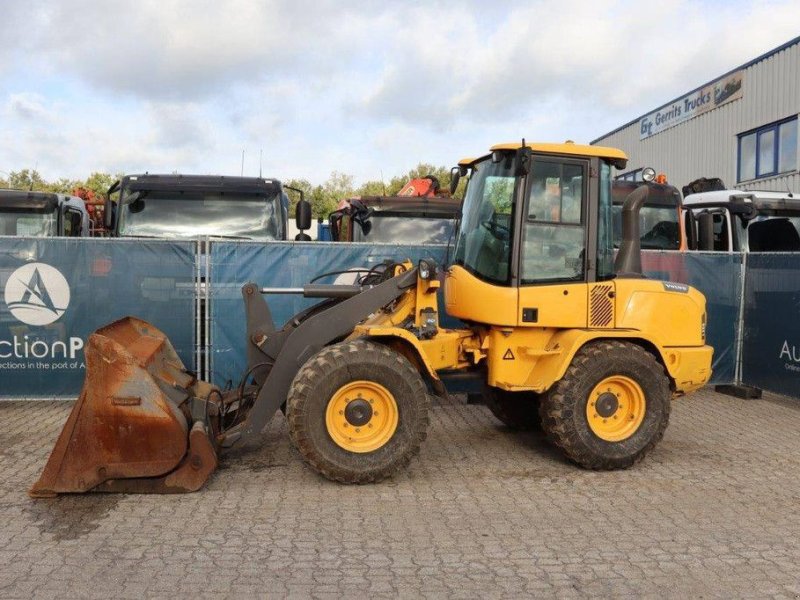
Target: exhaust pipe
(628, 263)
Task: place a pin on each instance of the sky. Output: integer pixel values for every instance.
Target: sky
(366, 88)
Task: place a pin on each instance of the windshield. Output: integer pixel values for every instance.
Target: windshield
(32, 224)
(485, 237)
(773, 234)
(189, 215)
(406, 230)
(658, 227)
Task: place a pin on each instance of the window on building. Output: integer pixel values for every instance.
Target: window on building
(630, 176)
(768, 150)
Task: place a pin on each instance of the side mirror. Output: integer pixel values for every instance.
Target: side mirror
(302, 215)
(522, 160)
(108, 215)
(705, 226)
(455, 177)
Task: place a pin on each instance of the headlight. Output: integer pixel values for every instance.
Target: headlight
(427, 269)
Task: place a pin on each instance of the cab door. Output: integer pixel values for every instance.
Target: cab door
(552, 253)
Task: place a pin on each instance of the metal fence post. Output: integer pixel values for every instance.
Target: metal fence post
(740, 323)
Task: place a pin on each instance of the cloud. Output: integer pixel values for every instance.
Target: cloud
(359, 87)
(622, 56)
(187, 49)
(28, 106)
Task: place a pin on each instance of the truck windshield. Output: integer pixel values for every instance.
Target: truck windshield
(485, 238)
(406, 230)
(658, 226)
(189, 215)
(32, 224)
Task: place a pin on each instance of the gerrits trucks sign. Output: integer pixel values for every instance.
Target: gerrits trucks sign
(723, 90)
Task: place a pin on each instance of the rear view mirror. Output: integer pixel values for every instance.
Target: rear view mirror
(455, 177)
(136, 206)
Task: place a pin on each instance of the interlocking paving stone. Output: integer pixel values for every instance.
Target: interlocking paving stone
(714, 511)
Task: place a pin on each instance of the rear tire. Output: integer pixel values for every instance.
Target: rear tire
(517, 410)
(610, 408)
(357, 412)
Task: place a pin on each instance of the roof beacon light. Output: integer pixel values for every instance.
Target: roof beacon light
(661, 178)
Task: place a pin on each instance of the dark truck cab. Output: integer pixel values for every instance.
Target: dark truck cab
(659, 217)
(395, 219)
(42, 214)
(192, 206)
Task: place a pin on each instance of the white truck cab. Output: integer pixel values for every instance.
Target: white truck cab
(742, 221)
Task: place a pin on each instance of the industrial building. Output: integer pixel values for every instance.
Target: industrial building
(741, 127)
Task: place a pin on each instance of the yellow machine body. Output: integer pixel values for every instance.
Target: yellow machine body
(667, 319)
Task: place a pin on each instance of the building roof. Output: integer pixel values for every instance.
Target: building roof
(746, 65)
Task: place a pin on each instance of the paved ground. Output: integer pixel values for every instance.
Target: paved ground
(483, 512)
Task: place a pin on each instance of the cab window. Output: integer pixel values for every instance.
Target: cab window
(72, 222)
(554, 233)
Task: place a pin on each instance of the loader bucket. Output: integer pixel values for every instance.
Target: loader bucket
(131, 429)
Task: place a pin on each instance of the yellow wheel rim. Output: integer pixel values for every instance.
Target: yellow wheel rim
(361, 416)
(615, 408)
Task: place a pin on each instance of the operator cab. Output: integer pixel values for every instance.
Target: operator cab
(529, 214)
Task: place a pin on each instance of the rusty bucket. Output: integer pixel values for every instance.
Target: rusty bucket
(142, 423)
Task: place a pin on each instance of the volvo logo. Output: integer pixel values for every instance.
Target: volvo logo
(37, 294)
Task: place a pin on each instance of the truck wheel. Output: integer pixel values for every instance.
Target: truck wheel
(517, 410)
(610, 408)
(357, 412)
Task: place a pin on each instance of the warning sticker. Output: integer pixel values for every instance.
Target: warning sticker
(509, 355)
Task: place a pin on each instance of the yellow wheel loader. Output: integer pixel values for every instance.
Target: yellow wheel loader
(560, 331)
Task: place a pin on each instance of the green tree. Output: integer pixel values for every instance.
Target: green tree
(372, 188)
(99, 182)
(27, 179)
(423, 170)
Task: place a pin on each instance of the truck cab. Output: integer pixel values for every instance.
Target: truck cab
(742, 221)
(395, 219)
(42, 214)
(192, 206)
(659, 217)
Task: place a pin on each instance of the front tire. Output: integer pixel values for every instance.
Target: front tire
(357, 412)
(610, 408)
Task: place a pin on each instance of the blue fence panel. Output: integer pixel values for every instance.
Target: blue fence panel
(279, 264)
(56, 291)
(771, 349)
(719, 277)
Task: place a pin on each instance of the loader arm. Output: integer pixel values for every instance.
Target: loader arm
(301, 338)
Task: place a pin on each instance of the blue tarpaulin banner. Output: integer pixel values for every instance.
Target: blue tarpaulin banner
(284, 265)
(719, 276)
(771, 347)
(56, 291)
